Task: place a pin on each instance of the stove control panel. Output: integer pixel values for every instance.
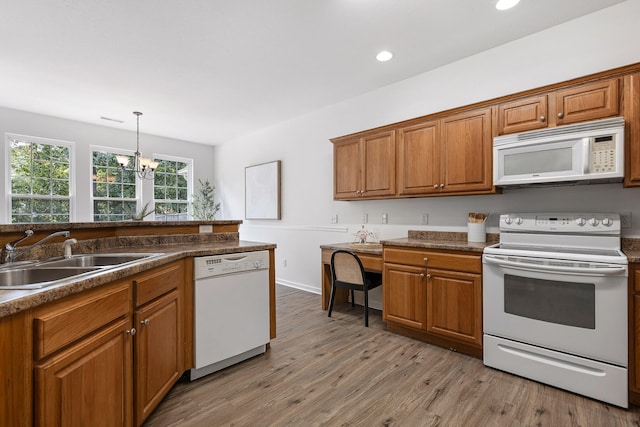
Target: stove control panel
(583, 222)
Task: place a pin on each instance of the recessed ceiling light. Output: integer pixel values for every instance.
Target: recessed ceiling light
(383, 56)
(506, 4)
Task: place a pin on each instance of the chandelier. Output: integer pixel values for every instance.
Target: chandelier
(142, 166)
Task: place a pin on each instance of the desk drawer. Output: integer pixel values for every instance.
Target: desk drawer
(369, 262)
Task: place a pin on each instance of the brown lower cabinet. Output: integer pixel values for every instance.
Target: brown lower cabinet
(107, 356)
(434, 296)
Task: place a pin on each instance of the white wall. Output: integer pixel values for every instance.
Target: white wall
(597, 42)
(85, 135)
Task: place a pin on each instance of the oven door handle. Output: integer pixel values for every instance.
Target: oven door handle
(531, 267)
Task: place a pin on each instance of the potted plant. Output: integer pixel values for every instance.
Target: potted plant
(139, 215)
(204, 205)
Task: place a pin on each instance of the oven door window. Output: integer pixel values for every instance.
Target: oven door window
(564, 303)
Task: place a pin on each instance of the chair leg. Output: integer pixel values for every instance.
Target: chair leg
(333, 295)
(353, 298)
(366, 307)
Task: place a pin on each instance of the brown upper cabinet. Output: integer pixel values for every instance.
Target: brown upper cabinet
(466, 143)
(418, 159)
(584, 102)
(450, 153)
(631, 106)
(364, 166)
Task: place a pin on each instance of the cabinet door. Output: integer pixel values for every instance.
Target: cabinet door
(632, 129)
(419, 159)
(158, 354)
(404, 296)
(466, 145)
(379, 165)
(347, 160)
(89, 384)
(454, 305)
(523, 115)
(589, 101)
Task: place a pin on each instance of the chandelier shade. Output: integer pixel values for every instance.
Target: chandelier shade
(142, 166)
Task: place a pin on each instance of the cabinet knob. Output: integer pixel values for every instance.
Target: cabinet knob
(560, 115)
(145, 322)
(422, 275)
(543, 118)
(428, 276)
(131, 331)
(425, 259)
(441, 185)
(435, 185)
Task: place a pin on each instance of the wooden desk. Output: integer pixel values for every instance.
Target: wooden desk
(370, 255)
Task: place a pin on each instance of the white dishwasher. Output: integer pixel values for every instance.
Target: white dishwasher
(232, 321)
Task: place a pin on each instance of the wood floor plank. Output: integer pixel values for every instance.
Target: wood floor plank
(324, 371)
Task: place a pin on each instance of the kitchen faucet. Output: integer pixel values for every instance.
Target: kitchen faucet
(11, 247)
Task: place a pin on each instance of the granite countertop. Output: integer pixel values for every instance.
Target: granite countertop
(367, 248)
(452, 241)
(449, 245)
(13, 301)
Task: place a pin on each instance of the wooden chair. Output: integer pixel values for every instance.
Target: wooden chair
(347, 272)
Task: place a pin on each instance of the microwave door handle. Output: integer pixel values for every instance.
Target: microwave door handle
(586, 152)
(543, 268)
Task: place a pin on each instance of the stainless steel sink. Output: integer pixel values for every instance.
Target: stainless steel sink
(37, 277)
(96, 260)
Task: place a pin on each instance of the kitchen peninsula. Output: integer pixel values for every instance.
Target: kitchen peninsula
(59, 337)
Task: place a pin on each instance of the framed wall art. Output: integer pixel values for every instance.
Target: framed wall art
(262, 191)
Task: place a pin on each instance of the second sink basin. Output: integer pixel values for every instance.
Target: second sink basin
(96, 260)
(34, 278)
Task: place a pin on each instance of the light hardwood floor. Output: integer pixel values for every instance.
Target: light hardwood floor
(335, 372)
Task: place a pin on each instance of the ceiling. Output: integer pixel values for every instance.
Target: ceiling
(209, 71)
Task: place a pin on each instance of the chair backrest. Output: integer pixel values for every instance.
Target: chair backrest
(346, 267)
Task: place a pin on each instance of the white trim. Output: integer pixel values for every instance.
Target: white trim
(297, 285)
(7, 175)
(114, 151)
(328, 228)
(189, 177)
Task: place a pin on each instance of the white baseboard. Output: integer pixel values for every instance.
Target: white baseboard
(300, 286)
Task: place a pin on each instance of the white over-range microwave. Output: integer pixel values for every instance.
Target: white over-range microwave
(591, 152)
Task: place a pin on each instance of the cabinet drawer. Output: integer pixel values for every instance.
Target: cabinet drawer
(154, 283)
(431, 259)
(70, 319)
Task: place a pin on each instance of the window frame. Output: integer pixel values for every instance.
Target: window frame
(138, 181)
(8, 136)
(189, 179)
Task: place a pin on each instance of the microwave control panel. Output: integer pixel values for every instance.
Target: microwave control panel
(603, 154)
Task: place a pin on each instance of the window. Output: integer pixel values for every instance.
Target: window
(115, 191)
(172, 188)
(40, 181)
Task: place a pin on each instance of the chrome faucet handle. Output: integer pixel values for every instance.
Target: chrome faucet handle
(12, 245)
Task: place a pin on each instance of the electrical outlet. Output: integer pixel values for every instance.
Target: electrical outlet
(385, 218)
(625, 219)
(284, 262)
(334, 219)
(365, 218)
(424, 219)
